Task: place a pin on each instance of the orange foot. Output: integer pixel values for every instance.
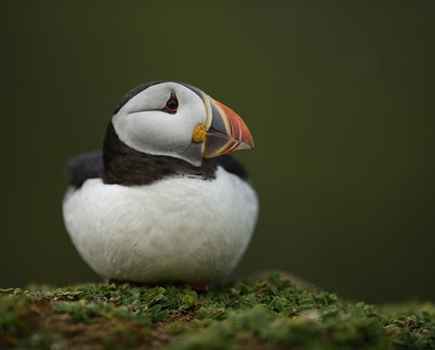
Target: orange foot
(200, 287)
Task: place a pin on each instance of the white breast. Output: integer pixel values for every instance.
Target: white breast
(178, 229)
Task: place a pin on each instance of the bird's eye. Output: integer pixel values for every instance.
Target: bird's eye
(171, 105)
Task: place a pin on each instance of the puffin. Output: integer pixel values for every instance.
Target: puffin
(164, 201)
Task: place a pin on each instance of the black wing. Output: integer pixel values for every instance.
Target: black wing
(90, 166)
(232, 165)
(85, 166)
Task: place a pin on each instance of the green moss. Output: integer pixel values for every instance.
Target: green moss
(267, 313)
(14, 312)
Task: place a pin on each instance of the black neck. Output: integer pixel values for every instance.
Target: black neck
(126, 166)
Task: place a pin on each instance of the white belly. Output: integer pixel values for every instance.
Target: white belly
(177, 229)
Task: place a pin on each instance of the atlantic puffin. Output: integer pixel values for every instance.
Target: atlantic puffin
(163, 202)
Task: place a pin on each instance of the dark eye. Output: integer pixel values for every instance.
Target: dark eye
(171, 105)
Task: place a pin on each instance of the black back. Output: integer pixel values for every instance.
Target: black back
(85, 166)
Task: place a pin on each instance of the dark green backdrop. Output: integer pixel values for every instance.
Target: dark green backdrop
(336, 94)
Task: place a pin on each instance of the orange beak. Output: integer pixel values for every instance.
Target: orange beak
(227, 132)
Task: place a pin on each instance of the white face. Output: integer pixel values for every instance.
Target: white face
(160, 120)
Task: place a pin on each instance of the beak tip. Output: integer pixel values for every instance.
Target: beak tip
(245, 146)
(247, 141)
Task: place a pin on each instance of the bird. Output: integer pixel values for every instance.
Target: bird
(164, 201)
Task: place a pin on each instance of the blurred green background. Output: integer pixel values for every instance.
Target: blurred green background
(335, 93)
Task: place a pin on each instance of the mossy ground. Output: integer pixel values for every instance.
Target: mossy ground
(267, 313)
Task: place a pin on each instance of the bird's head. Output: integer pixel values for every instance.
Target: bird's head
(178, 120)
